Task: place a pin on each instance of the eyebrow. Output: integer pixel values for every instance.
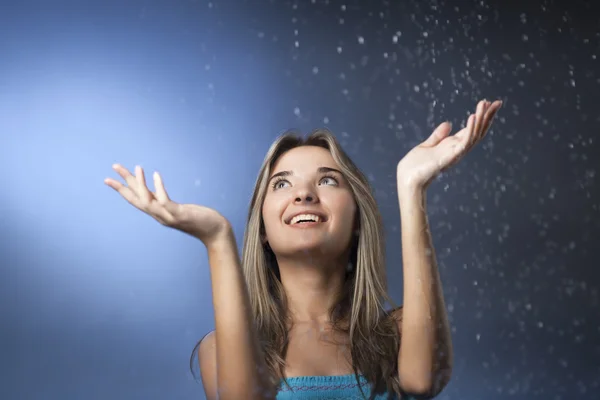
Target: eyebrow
(320, 170)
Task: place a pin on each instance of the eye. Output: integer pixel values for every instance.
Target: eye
(277, 181)
(335, 182)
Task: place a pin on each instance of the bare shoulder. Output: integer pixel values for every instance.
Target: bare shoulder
(207, 360)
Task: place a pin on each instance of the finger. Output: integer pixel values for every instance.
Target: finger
(143, 192)
(490, 115)
(465, 133)
(163, 198)
(440, 133)
(462, 146)
(159, 187)
(172, 210)
(124, 191)
(480, 112)
(126, 175)
(154, 209)
(471, 131)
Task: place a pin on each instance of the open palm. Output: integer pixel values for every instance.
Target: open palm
(440, 151)
(201, 222)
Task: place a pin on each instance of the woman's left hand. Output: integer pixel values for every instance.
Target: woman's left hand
(439, 152)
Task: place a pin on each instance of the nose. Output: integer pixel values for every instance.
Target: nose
(305, 195)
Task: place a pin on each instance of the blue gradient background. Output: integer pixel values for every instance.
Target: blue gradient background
(99, 301)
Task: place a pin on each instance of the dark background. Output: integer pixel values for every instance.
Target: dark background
(99, 301)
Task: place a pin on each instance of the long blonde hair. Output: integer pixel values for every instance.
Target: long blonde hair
(373, 334)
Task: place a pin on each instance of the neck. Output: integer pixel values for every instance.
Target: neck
(311, 288)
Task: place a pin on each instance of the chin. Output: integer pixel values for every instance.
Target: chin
(312, 250)
(303, 249)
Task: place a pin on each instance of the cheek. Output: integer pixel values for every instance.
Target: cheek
(349, 204)
(350, 218)
(347, 207)
(270, 214)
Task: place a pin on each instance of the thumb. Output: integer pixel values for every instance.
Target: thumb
(440, 133)
(159, 187)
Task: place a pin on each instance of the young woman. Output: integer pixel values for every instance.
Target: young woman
(302, 315)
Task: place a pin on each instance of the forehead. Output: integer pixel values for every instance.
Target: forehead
(304, 158)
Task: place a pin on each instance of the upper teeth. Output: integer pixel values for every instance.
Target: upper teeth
(312, 217)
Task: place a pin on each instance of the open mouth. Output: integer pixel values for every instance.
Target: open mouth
(306, 223)
(307, 219)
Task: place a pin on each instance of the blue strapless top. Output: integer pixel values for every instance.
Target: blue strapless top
(327, 388)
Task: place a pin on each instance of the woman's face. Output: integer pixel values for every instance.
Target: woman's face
(305, 180)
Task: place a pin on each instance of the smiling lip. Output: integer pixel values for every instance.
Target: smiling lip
(322, 217)
(305, 224)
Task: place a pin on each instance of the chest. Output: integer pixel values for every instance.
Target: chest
(314, 351)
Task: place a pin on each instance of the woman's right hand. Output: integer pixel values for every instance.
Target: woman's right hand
(201, 222)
